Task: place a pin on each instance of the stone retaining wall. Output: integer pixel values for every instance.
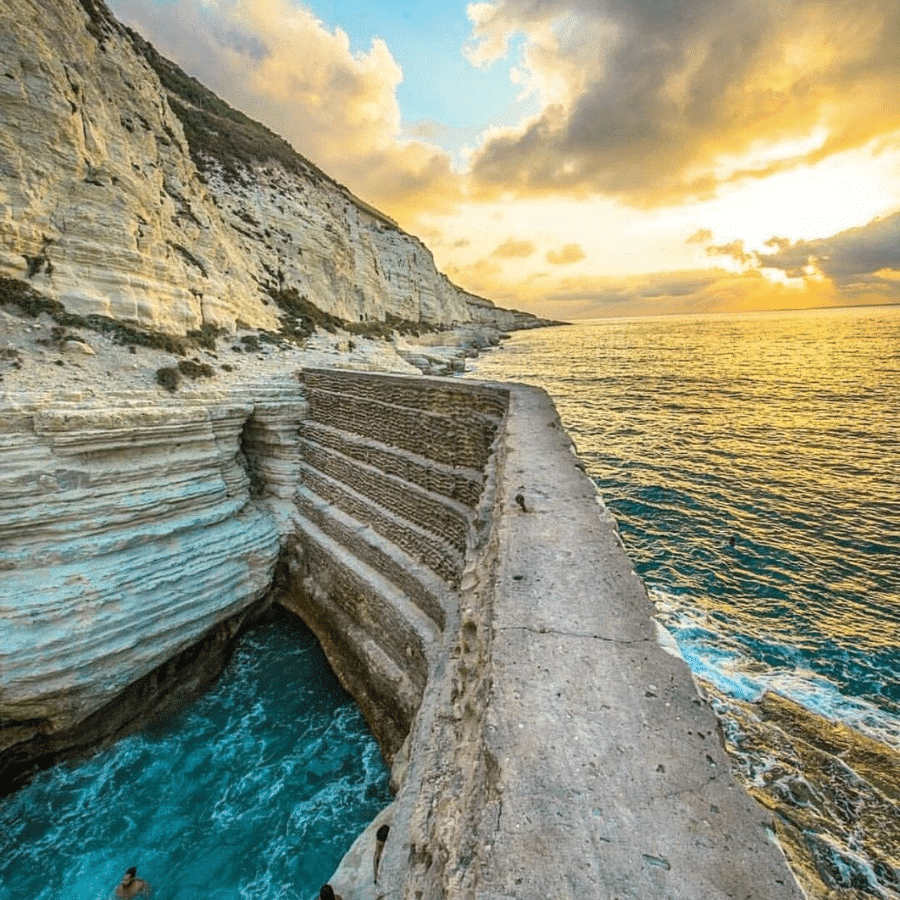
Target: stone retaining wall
(555, 749)
(393, 469)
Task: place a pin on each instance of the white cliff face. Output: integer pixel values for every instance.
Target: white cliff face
(127, 531)
(103, 208)
(310, 236)
(98, 191)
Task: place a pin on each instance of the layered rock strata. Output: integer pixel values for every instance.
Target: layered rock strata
(130, 191)
(128, 533)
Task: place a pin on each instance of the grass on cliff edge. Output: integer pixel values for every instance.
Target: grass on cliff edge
(16, 294)
(299, 318)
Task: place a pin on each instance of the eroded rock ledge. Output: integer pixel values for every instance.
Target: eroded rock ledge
(442, 540)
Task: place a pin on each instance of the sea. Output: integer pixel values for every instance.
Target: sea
(752, 463)
(253, 792)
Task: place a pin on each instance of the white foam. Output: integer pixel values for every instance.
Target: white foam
(718, 658)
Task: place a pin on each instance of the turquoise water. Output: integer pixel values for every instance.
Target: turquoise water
(254, 791)
(781, 430)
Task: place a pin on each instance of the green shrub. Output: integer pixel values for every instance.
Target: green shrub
(195, 369)
(205, 336)
(168, 378)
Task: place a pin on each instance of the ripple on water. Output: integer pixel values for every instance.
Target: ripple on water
(254, 791)
(783, 430)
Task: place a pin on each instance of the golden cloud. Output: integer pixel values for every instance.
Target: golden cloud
(686, 292)
(855, 261)
(735, 250)
(514, 249)
(570, 253)
(338, 108)
(658, 103)
(701, 236)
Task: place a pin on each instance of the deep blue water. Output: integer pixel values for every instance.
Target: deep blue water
(254, 791)
(779, 429)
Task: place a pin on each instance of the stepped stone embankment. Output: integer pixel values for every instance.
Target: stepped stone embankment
(470, 590)
(392, 476)
(559, 750)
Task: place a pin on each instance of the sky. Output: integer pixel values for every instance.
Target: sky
(588, 158)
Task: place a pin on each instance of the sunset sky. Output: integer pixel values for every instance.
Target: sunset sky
(592, 157)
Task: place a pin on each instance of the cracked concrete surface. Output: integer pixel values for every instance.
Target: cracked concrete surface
(613, 779)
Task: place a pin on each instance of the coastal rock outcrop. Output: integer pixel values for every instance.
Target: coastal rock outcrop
(130, 191)
(128, 531)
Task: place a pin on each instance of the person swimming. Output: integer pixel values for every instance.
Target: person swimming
(131, 885)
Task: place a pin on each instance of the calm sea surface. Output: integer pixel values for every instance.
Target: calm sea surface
(781, 430)
(255, 791)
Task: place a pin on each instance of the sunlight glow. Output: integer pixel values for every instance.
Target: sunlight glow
(841, 192)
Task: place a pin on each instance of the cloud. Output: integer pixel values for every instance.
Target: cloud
(687, 292)
(858, 260)
(514, 249)
(701, 236)
(570, 253)
(663, 102)
(283, 67)
(856, 266)
(735, 250)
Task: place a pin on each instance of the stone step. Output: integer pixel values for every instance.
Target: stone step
(422, 586)
(458, 440)
(439, 556)
(429, 511)
(459, 483)
(370, 601)
(442, 557)
(443, 395)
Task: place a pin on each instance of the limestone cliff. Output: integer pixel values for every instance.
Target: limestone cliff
(129, 190)
(137, 208)
(128, 532)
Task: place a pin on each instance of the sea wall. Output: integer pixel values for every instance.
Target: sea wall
(559, 749)
(443, 542)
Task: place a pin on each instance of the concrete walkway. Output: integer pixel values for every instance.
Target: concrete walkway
(613, 780)
(560, 753)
